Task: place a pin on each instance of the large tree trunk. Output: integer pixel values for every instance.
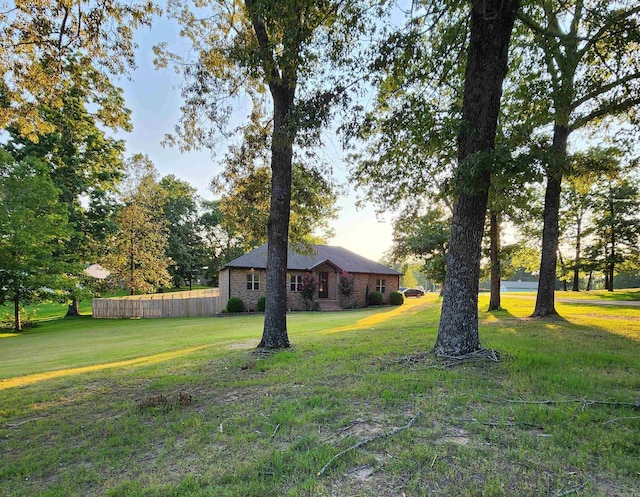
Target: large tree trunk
(74, 309)
(491, 26)
(494, 256)
(274, 335)
(545, 302)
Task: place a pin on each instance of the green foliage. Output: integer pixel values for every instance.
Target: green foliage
(185, 247)
(235, 304)
(49, 46)
(262, 303)
(423, 237)
(245, 190)
(375, 298)
(137, 251)
(410, 133)
(85, 165)
(25, 319)
(396, 298)
(33, 228)
(219, 245)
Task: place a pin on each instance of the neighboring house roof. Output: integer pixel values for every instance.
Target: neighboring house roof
(338, 257)
(97, 271)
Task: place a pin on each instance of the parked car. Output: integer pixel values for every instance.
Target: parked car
(413, 292)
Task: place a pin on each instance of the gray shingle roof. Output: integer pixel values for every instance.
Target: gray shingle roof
(338, 256)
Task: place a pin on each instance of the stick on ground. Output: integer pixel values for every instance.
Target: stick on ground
(369, 440)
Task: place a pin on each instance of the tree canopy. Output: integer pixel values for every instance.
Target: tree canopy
(28, 266)
(49, 45)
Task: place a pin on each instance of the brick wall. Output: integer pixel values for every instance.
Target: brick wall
(236, 280)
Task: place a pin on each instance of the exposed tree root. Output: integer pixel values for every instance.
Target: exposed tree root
(427, 360)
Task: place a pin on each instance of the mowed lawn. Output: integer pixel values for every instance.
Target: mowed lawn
(357, 406)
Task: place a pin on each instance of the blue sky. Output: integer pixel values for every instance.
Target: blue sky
(154, 99)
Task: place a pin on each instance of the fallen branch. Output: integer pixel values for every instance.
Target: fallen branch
(16, 425)
(573, 490)
(614, 420)
(584, 401)
(369, 440)
(495, 424)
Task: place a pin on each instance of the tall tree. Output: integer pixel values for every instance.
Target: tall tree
(617, 226)
(219, 244)
(491, 27)
(592, 72)
(577, 199)
(184, 245)
(286, 50)
(39, 39)
(85, 164)
(245, 204)
(33, 226)
(137, 253)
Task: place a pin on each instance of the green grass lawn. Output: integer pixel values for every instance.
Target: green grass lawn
(186, 407)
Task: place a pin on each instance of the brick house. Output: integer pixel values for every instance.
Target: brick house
(245, 277)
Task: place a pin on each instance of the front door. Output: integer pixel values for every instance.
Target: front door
(323, 285)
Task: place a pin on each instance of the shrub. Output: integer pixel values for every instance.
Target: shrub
(396, 298)
(375, 298)
(345, 284)
(262, 303)
(308, 289)
(235, 304)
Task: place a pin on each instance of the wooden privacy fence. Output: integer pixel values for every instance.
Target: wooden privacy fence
(170, 305)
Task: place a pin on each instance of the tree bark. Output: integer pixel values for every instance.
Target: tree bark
(491, 26)
(545, 301)
(17, 325)
(564, 280)
(274, 335)
(612, 256)
(494, 256)
(74, 309)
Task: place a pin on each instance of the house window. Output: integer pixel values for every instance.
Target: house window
(380, 285)
(253, 281)
(295, 282)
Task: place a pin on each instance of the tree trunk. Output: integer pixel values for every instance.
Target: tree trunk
(274, 335)
(612, 256)
(491, 26)
(494, 256)
(564, 280)
(589, 281)
(17, 325)
(545, 302)
(74, 309)
(576, 269)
